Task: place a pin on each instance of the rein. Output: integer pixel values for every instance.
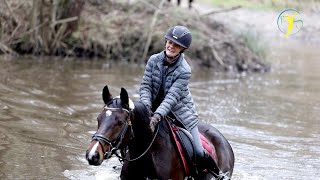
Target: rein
(115, 144)
(134, 159)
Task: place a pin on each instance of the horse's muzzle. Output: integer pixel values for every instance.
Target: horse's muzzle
(93, 158)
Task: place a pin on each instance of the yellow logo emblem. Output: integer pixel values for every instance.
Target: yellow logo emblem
(289, 22)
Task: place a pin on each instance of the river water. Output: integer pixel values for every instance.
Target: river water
(48, 110)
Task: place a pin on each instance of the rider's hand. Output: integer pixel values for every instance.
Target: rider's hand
(154, 121)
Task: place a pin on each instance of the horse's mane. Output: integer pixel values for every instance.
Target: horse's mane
(141, 112)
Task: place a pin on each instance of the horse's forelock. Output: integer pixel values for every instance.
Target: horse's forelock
(115, 103)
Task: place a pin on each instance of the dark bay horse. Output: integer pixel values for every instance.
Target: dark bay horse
(123, 130)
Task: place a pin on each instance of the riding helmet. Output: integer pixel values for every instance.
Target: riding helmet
(180, 35)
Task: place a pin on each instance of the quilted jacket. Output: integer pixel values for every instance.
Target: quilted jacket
(178, 98)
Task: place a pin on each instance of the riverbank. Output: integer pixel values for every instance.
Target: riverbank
(122, 31)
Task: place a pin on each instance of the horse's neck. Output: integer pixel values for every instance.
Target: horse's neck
(142, 136)
(141, 127)
(161, 153)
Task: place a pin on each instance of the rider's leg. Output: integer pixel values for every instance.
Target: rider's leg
(197, 142)
(203, 159)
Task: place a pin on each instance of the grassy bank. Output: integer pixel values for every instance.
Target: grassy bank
(120, 31)
(308, 5)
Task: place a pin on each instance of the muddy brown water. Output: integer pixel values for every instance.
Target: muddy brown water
(48, 110)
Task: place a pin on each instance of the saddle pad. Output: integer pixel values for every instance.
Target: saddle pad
(183, 145)
(180, 149)
(206, 145)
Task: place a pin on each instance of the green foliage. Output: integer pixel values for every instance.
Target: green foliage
(255, 43)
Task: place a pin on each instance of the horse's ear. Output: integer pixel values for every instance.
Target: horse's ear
(124, 98)
(106, 96)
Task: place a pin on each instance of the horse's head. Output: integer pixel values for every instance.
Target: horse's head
(113, 123)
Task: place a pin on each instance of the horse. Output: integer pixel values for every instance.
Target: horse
(179, 2)
(123, 130)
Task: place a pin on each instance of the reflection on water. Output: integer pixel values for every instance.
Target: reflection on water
(48, 110)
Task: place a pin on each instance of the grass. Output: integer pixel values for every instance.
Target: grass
(255, 43)
(265, 4)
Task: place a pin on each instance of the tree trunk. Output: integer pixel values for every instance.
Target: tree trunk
(51, 22)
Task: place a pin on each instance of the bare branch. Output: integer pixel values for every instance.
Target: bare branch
(33, 29)
(10, 11)
(66, 20)
(5, 49)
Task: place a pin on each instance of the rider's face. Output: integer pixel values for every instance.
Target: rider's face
(172, 49)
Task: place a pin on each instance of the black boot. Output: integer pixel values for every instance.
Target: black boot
(207, 162)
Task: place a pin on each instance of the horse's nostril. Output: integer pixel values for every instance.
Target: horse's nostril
(93, 159)
(96, 156)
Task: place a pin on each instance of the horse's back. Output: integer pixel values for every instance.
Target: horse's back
(223, 149)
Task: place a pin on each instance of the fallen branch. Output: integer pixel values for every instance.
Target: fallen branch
(215, 54)
(5, 49)
(66, 20)
(221, 11)
(58, 37)
(217, 57)
(18, 39)
(13, 33)
(33, 29)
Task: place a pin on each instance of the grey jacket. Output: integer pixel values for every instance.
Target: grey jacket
(178, 98)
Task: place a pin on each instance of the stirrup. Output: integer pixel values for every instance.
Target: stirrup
(211, 163)
(223, 176)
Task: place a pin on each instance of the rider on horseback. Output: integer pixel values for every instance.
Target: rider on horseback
(164, 90)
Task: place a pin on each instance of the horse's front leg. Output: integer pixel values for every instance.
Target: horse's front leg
(131, 171)
(140, 169)
(166, 161)
(124, 175)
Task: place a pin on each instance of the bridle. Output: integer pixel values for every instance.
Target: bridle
(115, 144)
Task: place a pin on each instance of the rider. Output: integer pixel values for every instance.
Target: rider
(164, 90)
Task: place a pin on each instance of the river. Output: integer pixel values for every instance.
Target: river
(48, 110)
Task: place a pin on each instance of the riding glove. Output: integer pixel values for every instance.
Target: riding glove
(154, 121)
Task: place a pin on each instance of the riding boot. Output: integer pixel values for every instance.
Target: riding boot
(207, 162)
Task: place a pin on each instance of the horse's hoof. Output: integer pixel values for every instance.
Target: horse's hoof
(188, 178)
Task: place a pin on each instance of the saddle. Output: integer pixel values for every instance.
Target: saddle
(184, 144)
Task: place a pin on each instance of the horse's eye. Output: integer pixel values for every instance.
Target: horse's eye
(98, 119)
(119, 123)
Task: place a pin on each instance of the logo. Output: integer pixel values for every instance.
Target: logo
(289, 22)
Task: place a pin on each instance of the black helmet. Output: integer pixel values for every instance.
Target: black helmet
(180, 35)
